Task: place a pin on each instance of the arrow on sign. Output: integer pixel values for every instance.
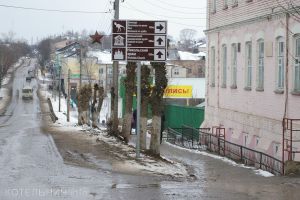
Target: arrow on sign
(160, 27)
(159, 54)
(159, 40)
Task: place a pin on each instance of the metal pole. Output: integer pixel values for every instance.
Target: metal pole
(68, 99)
(116, 78)
(80, 66)
(138, 110)
(59, 88)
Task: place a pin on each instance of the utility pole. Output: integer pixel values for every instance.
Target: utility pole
(116, 79)
(1, 76)
(68, 99)
(59, 88)
(138, 109)
(80, 65)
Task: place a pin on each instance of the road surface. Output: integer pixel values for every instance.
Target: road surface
(38, 165)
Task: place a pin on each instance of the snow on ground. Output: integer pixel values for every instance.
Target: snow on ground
(145, 163)
(224, 159)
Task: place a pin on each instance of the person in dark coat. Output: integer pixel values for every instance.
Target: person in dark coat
(162, 125)
(133, 121)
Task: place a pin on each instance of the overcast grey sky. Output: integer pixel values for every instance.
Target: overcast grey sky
(29, 24)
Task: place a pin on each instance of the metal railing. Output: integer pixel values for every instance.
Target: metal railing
(202, 139)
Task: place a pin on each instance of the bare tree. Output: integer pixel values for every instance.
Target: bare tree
(187, 37)
(157, 105)
(146, 91)
(84, 95)
(97, 104)
(130, 88)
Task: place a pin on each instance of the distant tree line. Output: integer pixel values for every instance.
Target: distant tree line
(10, 52)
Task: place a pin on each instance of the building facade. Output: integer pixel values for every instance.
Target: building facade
(253, 71)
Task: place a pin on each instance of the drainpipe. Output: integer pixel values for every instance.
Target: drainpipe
(218, 77)
(286, 65)
(286, 85)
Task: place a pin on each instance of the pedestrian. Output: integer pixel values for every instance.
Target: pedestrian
(133, 121)
(162, 125)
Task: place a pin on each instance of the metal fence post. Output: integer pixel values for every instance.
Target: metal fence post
(260, 161)
(192, 137)
(241, 149)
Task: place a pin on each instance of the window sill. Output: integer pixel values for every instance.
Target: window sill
(233, 87)
(279, 91)
(247, 88)
(295, 92)
(234, 5)
(223, 86)
(213, 12)
(259, 89)
(225, 7)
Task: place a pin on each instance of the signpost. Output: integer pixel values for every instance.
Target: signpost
(135, 40)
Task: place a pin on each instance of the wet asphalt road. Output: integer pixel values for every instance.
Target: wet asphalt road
(32, 167)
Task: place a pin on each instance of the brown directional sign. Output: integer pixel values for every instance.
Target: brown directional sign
(136, 40)
(119, 26)
(147, 27)
(136, 54)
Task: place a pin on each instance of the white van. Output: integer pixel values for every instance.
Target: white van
(27, 92)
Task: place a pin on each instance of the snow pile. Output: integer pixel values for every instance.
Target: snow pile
(224, 159)
(145, 163)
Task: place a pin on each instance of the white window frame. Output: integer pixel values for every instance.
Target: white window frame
(213, 66)
(248, 51)
(213, 6)
(234, 65)
(260, 65)
(296, 76)
(280, 50)
(224, 65)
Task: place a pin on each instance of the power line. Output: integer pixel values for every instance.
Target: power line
(155, 16)
(177, 6)
(52, 10)
(171, 17)
(177, 11)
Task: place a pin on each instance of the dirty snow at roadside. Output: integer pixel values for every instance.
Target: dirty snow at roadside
(224, 159)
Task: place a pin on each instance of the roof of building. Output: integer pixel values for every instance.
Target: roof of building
(191, 56)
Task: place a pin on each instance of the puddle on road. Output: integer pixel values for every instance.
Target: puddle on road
(129, 186)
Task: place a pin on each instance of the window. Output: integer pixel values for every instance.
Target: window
(297, 65)
(101, 71)
(213, 66)
(224, 65)
(234, 3)
(246, 140)
(257, 140)
(233, 65)
(248, 65)
(260, 69)
(176, 71)
(280, 64)
(213, 6)
(225, 4)
(109, 71)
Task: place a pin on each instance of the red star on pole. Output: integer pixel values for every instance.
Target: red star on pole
(96, 38)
